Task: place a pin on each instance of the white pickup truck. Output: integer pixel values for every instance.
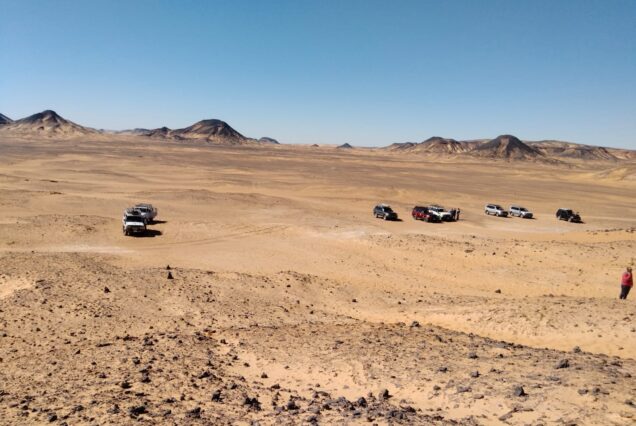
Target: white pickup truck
(133, 222)
(147, 211)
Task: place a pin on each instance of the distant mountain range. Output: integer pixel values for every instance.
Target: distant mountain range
(507, 147)
(50, 124)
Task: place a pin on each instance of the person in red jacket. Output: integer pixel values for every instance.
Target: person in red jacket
(627, 282)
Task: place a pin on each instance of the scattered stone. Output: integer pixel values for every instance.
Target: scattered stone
(384, 394)
(170, 277)
(474, 374)
(506, 416)
(583, 391)
(125, 385)
(253, 403)
(498, 291)
(137, 411)
(415, 324)
(442, 369)
(264, 376)
(52, 417)
(519, 391)
(106, 290)
(472, 355)
(195, 413)
(564, 363)
(204, 374)
(291, 405)
(168, 268)
(576, 350)
(361, 402)
(464, 389)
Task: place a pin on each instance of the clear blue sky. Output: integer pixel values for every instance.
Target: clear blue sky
(364, 72)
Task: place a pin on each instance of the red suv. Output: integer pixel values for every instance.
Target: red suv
(422, 213)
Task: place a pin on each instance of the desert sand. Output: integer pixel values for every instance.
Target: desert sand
(292, 304)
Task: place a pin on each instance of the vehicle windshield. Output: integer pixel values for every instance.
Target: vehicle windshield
(436, 209)
(523, 209)
(497, 207)
(134, 219)
(143, 209)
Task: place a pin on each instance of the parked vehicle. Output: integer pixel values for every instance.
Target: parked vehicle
(147, 211)
(520, 212)
(423, 213)
(441, 213)
(384, 211)
(569, 215)
(133, 222)
(495, 209)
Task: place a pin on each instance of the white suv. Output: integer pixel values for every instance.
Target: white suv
(520, 212)
(495, 209)
(440, 212)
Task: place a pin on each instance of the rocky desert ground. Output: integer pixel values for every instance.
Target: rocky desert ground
(291, 304)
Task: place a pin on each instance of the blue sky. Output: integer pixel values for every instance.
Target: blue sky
(364, 72)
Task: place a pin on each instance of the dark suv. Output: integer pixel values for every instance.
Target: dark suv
(384, 211)
(569, 215)
(423, 213)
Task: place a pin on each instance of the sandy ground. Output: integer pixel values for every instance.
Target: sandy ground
(291, 303)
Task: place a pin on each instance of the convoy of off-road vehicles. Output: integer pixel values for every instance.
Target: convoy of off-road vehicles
(137, 218)
(436, 213)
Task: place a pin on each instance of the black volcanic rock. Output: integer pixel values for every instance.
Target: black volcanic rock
(507, 147)
(442, 145)
(345, 146)
(573, 150)
(265, 139)
(48, 123)
(433, 145)
(401, 146)
(5, 120)
(162, 132)
(211, 130)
